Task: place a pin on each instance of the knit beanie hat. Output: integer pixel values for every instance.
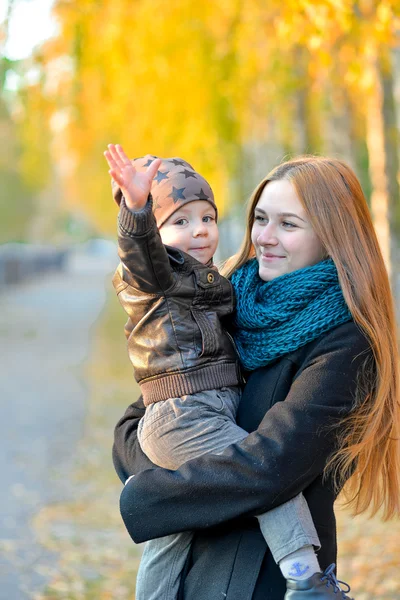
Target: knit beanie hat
(175, 184)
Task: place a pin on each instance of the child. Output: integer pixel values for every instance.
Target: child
(184, 359)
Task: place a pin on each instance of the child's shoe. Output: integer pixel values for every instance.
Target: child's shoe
(321, 586)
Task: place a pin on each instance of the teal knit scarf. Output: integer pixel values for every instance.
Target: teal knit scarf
(276, 317)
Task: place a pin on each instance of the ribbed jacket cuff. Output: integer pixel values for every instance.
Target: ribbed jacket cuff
(135, 223)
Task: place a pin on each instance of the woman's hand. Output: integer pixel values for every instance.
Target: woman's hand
(135, 185)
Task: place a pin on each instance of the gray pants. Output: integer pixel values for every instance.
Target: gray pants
(178, 429)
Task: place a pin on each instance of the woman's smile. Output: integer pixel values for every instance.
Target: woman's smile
(270, 257)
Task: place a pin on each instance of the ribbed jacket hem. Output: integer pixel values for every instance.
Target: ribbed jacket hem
(176, 385)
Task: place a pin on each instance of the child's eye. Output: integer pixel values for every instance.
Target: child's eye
(181, 222)
(208, 219)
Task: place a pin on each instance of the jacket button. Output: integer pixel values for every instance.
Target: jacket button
(210, 277)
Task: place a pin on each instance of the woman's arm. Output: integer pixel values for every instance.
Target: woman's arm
(282, 458)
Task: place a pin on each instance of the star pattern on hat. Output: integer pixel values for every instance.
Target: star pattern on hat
(180, 163)
(177, 194)
(160, 176)
(150, 161)
(187, 173)
(202, 195)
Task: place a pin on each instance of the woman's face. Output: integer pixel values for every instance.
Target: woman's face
(282, 235)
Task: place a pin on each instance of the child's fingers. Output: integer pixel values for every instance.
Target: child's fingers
(152, 169)
(111, 162)
(114, 171)
(123, 157)
(116, 175)
(115, 155)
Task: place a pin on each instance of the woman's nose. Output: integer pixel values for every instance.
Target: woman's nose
(268, 236)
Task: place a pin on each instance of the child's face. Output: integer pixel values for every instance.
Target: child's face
(193, 229)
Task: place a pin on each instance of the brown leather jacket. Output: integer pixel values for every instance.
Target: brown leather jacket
(176, 341)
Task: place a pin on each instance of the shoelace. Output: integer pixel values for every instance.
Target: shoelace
(330, 578)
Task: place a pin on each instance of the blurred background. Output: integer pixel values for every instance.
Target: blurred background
(233, 87)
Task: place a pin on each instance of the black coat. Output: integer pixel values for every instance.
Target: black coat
(293, 408)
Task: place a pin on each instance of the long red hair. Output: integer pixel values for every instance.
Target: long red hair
(367, 460)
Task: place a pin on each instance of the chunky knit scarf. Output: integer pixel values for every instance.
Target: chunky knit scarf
(276, 317)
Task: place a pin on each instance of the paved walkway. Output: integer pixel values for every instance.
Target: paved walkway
(44, 333)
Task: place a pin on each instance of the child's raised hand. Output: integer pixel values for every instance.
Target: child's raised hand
(135, 185)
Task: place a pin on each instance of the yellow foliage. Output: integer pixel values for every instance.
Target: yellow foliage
(199, 80)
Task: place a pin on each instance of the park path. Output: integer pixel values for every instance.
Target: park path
(45, 329)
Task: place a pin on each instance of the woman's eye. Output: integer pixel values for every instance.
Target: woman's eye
(288, 225)
(260, 219)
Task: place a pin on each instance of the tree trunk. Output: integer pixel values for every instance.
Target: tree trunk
(358, 146)
(382, 140)
(308, 107)
(391, 141)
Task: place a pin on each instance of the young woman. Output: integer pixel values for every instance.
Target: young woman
(321, 401)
